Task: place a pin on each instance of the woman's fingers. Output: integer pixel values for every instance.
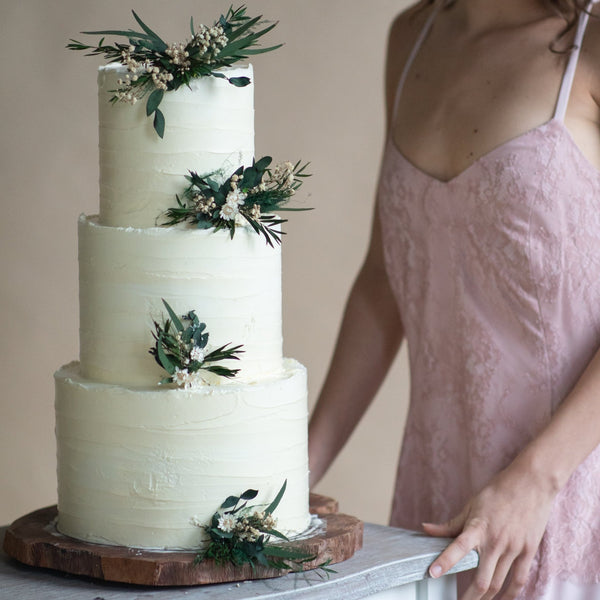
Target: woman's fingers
(489, 577)
(503, 567)
(519, 574)
(485, 578)
(468, 540)
(449, 529)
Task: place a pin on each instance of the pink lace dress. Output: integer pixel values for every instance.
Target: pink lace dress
(497, 277)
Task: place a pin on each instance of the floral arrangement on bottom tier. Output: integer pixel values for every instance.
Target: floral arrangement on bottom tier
(240, 535)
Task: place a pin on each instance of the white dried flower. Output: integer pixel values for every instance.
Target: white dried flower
(197, 354)
(269, 522)
(236, 197)
(181, 376)
(227, 523)
(255, 212)
(229, 211)
(195, 520)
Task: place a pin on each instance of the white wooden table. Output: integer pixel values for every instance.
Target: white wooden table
(392, 565)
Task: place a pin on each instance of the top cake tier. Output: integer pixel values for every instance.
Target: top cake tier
(209, 127)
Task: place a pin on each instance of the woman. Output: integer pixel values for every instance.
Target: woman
(485, 254)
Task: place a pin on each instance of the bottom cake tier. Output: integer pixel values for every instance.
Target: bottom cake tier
(143, 467)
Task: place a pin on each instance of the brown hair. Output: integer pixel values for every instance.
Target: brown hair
(569, 10)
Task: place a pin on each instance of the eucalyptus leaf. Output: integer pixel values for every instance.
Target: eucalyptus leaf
(249, 495)
(168, 366)
(262, 559)
(240, 30)
(178, 324)
(269, 510)
(254, 51)
(159, 123)
(154, 100)
(290, 553)
(148, 31)
(130, 33)
(263, 163)
(230, 501)
(239, 81)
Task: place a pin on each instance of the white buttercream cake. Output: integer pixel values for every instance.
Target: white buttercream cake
(141, 464)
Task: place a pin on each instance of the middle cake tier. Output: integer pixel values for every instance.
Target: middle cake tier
(233, 285)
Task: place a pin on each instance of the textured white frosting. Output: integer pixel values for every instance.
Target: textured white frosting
(134, 466)
(234, 285)
(209, 126)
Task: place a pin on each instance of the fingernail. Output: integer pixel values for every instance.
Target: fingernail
(435, 571)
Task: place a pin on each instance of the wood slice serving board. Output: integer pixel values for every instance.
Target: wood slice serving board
(34, 540)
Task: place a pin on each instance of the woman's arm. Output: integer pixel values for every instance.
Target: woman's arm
(369, 338)
(371, 330)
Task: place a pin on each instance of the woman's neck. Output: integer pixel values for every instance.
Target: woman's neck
(481, 15)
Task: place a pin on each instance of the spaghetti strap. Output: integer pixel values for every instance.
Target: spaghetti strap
(569, 74)
(413, 53)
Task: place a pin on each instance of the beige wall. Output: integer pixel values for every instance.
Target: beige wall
(319, 98)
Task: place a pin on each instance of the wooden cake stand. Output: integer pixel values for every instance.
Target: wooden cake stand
(34, 540)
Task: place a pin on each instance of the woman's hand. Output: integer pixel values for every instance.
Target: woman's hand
(504, 523)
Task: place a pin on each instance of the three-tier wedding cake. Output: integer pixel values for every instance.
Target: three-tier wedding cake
(141, 464)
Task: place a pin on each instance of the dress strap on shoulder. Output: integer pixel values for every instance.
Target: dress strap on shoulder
(569, 74)
(413, 53)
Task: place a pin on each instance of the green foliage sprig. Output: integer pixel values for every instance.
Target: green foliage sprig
(181, 350)
(239, 534)
(251, 194)
(155, 67)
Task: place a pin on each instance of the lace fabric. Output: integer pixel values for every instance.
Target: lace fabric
(497, 278)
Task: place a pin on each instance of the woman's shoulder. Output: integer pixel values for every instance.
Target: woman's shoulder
(590, 54)
(406, 26)
(403, 34)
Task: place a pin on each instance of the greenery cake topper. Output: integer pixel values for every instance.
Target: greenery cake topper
(155, 67)
(250, 194)
(240, 534)
(183, 353)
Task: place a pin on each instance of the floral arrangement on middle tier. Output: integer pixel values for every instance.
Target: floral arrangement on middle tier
(250, 194)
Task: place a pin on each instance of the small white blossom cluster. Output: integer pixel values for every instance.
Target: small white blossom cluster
(133, 66)
(160, 77)
(235, 198)
(195, 520)
(210, 40)
(178, 56)
(255, 212)
(204, 205)
(284, 173)
(197, 354)
(127, 94)
(247, 528)
(183, 378)
(281, 177)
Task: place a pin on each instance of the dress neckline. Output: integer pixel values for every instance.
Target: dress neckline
(553, 122)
